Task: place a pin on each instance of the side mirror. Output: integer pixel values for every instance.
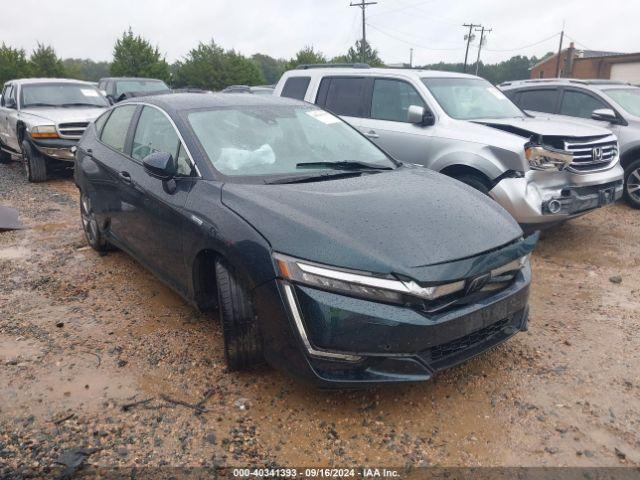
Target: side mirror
(160, 165)
(111, 99)
(605, 115)
(10, 102)
(418, 115)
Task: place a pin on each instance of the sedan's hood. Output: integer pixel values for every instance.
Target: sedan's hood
(64, 115)
(384, 222)
(529, 126)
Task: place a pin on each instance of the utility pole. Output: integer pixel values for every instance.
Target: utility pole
(411, 58)
(469, 38)
(559, 52)
(363, 5)
(482, 32)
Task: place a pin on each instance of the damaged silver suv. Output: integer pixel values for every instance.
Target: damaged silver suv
(542, 171)
(41, 120)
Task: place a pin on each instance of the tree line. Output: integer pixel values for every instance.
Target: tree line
(208, 65)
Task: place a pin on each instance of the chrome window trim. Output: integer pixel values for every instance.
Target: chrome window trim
(175, 128)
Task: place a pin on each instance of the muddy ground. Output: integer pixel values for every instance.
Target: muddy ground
(82, 335)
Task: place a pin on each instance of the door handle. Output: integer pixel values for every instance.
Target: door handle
(125, 177)
(371, 134)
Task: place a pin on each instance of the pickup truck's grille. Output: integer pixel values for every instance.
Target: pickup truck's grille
(72, 130)
(593, 154)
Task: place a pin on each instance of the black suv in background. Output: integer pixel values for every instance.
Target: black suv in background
(118, 88)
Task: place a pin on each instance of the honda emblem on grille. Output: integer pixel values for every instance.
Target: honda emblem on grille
(478, 283)
(596, 154)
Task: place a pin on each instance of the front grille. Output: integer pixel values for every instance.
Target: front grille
(468, 341)
(592, 155)
(72, 130)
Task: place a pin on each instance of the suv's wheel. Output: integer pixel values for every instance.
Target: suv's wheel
(93, 234)
(474, 181)
(4, 156)
(632, 184)
(35, 165)
(242, 342)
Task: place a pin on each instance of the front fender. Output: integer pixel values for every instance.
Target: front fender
(491, 161)
(215, 227)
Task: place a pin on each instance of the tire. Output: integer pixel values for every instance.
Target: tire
(632, 184)
(4, 156)
(93, 234)
(474, 181)
(35, 165)
(242, 341)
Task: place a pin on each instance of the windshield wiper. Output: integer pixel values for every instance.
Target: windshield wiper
(80, 104)
(343, 165)
(37, 104)
(312, 178)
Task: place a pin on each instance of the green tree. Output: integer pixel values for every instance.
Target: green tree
(306, 56)
(134, 56)
(86, 69)
(44, 62)
(13, 64)
(271, 68)
(354, 55)
(210, 67)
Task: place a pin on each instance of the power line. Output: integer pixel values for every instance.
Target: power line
(394, 10)
(524, 46)
(363, 5)
(413, 44)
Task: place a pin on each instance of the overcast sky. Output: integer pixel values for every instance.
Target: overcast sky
(88, 28)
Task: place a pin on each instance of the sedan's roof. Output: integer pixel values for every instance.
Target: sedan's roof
(28, 81)
(193, 101)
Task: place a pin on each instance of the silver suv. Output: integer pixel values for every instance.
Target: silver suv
(606, 103)
(542, 172)
(42, 119)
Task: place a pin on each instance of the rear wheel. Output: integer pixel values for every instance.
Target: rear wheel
(93, 234)
(632, 184)
(35, 165)
(242, 341)
(474, 181)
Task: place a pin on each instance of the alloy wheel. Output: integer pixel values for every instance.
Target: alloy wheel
(633, 184)
(89, 223)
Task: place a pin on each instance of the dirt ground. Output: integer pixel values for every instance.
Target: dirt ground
(82, 335)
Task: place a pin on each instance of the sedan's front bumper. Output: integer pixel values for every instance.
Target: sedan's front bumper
(542, 198)
(340, 341)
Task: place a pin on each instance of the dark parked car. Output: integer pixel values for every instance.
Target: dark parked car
(118, 89)
(324, 256)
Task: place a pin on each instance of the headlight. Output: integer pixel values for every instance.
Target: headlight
(547, 158)
(360, 284)
(44, 131)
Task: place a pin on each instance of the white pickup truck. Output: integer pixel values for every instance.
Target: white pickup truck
(42, 119)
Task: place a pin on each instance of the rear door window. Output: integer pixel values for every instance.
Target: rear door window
(579, 104)
(542, 100)
(345, 96)
(392, 98)
(296, 87)
(114, 132)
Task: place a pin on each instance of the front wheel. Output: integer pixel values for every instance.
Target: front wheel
(474, 181)
(35, 165)
(632, 184)
(242, 341)
(93, 234)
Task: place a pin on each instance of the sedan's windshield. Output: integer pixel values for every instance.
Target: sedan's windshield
(628, 98)
(471, 98)
(142, 86)
(61, 95)
(282, 139)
